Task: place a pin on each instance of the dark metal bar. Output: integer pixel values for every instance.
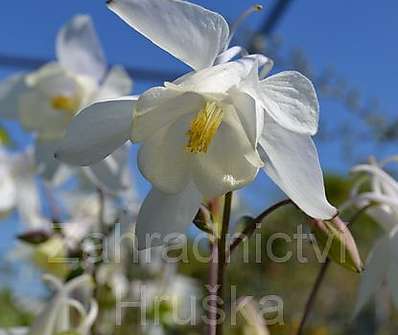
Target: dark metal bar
(274, 17)
(25, 62)
(22, 62)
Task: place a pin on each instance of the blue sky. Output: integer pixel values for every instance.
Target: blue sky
(359, 38)
(356, 37)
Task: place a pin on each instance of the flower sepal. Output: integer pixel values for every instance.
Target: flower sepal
(335, 236)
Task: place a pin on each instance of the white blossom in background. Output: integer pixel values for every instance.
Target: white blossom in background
(112, 175)
(118, 247)
(14, 331)
(18, 188)
(209, 131)
(45, 101)
(382, 264)
(8, 188)
(83, 214)
(171, 298)
(85, 208)
(56, 315)
(250, 318)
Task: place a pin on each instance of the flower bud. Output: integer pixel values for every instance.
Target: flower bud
(34, 237)
(203, 220)
(50, 256)
(336, 237)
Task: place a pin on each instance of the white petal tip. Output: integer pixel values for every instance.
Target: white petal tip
(68, 158)
(110, 3)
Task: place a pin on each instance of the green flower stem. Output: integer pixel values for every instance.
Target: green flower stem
(217, 271)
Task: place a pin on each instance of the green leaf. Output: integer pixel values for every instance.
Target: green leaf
(5, 138)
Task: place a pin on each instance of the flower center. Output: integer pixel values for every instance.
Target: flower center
(204, 127)
(64, 103)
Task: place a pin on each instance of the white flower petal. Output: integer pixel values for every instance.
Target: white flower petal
(291, 160)
(163, 215)
(161, 106)
(36, 114)
(249, 114)
(228, 164)
(81, 282)
(380, 198)
(87, 323)
(78, 48)
(383, 178)
(384, 217)
(291, 100)
(97, 131)
(187, 31)
(216, 79)
(36, 104)
(54, 318)
(163, 160)
(111, 174)
(264, 63)
(8, 190)
(45, 323)
(229, 54)
(47, 165)
(392, 276)
(117, 83)
(374, 274)
(10, 91)
(52, 79)
(106, 175)
(15, 331)
(29, 205)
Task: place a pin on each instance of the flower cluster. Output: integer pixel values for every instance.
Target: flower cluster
(200, 137)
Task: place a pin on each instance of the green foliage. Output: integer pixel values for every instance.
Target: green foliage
(68, 332)
(253, 273)
(12, 315)
(337, 188)
(5, 138)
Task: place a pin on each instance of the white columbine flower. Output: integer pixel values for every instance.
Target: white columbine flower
(209, 131)
(46, 100)
(382, 264)
(55, 317)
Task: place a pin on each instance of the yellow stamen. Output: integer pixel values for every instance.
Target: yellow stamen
(204, 127)
(64, 103)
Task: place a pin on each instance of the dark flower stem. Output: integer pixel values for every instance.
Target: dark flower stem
(221, 261)
(212, 289)
(314, 292)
